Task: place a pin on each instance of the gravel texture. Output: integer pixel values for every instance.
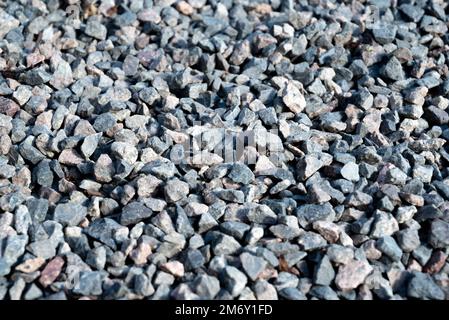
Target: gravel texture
(237, 149)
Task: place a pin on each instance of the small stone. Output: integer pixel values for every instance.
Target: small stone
(324, 272)
(70, 214)
(96, 258)
(405, 213)
(423, 173)
(252, 265)
(89, 283)
(193, 260)
(293, 98)
(385, 34)
(309, 213)
(104, 230)
(240, 173)
(184, 7)
(70, 157)
(393, 70)
(30, 265)
(436, 116)
(311, 163)
(5, 144)
(207, 287)
(176, 268)
(408, 239)
(96, 30)
(395, 176)
(225, 245)
(8, 107)
(44, 175)
(8, 23)
(149, 15)
(241, 52)
(196, 209)
(104, 169)
(352, 274)
(364, 99)
(384, 224)
(14, 248)
(435, 263)
(261, 214)
(62, 76)
(439, 234)
(134, 212)
(175, 190)
(233, 280)
(330, 231)
(350, 171)
(230, 195)
(104, 122)
(16, 290)
(207, 222)
(389, 247)
(145, 188)
(29, 152)
(141, 253)
(340, 254)
(125, 151)
(130, 65)
(310, 241)
(51, 271)
(33, 293)
(412, 12)
(265, 290)
(235, 229)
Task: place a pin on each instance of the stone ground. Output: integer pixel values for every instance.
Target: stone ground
(120, 178)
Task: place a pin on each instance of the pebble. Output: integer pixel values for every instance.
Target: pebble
(439, 237)
(422, 286)
(70, 214)
(352, 274)
(388, 246)
(324, 272)
(8, 107)
(252, 265)
(96, 30)
(175, 190)
(51, 271)
(134, 212)
(233, 280)
(350, 171)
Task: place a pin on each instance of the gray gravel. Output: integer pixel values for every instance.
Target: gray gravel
(193, 149)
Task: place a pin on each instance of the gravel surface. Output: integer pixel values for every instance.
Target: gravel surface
(237, 149)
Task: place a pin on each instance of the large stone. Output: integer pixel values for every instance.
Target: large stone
(422, 286)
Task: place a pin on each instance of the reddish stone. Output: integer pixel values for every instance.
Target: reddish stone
(184, 7)
(70, 157)
(51, 271)
(176, 268)
(34, 58)
(436, 262)
(8, 107)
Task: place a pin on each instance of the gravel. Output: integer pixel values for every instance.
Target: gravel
(224, 150)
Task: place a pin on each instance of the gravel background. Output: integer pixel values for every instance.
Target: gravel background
(120, 175)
